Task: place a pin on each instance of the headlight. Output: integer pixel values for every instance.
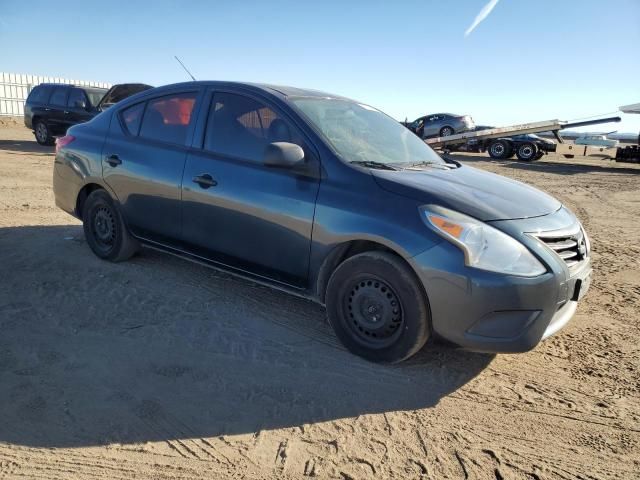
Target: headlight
(484, 247)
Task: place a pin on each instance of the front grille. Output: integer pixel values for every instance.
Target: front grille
(572, 248)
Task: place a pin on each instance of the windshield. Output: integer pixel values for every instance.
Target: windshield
(360, 133)
(95, 95)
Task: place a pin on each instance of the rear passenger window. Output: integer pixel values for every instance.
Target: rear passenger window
(59, 97)
(242, 127)
(132, 117)
(167, 118)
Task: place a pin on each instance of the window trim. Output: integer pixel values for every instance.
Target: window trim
(205, 117)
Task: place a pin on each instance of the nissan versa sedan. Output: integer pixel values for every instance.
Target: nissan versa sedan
(331, 199)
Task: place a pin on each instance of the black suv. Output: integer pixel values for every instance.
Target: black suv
(52, 108)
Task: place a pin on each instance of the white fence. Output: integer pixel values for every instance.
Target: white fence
(15, 87)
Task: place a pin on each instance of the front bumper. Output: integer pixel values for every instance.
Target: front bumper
(496, 313)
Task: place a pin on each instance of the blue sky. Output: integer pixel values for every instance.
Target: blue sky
(529, 60)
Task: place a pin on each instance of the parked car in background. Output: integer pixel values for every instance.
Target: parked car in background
(596, 140)
(330, 199)
(441, 125)
(52, 108)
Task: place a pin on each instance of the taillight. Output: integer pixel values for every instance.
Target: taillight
(64, 141)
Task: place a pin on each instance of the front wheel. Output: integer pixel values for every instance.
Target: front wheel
(500, 149)
(105, 230)
(377, 307)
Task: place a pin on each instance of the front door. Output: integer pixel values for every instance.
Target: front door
(237, 211)
(143, 159)
(77, 108)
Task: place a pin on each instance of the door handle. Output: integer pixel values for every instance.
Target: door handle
(205, 180)
(114, 160)
(66, 112)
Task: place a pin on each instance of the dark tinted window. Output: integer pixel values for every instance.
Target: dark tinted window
(77, 99)
(167, 118)
(38, 95)
(242, 127)
(131, 118)
(59, 97)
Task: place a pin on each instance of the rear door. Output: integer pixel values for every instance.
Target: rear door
(255, 218)
(143, 159)
(55, 108)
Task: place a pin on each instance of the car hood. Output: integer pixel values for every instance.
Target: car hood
(482, 195)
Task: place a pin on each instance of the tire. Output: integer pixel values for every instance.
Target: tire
(43, 133)
(446, 131)
(105, 230)
(527, 152)
(500, 149)
(378, 308)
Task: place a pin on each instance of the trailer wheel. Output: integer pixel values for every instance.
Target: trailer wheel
(527, 152)
(500, 149)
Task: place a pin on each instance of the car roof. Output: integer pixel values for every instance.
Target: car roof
(70, 85)
(278, 90)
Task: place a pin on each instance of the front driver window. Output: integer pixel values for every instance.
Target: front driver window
(242, 127)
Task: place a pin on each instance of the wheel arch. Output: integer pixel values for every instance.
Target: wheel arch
(83, 194)
(344, 251)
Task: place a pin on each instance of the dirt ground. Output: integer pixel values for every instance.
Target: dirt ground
(159, 368)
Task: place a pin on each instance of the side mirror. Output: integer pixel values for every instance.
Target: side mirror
(80, 104)
(283, 155)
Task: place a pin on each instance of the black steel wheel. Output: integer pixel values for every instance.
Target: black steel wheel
(527, 152)
(42, 133)
(446, 131)
(373, 310)
(377, 307)
(105, 230)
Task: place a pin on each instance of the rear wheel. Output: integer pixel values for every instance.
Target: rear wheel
(377, 307)
(43, 133)
(105, 230)
(446, 131)
(527, 152)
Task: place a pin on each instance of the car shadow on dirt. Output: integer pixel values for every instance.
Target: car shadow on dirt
(26, 146)
(158, 349)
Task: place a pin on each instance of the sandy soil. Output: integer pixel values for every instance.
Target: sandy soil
(160, 368)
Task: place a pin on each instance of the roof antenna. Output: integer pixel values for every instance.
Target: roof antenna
(185, 68)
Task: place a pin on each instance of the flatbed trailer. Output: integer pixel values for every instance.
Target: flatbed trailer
(554, 126)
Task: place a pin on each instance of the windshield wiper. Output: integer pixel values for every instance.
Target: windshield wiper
(372, 164)
(426, 164)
